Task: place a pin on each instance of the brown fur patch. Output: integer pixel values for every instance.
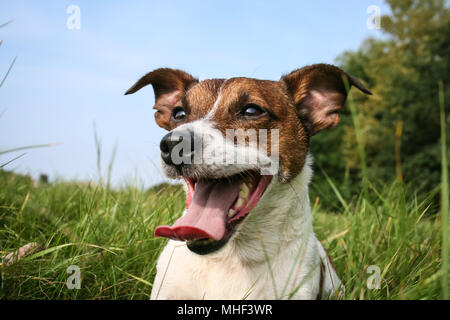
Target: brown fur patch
(272, 96)
(169, 86)
(299, 105)
(200, 99)
(319, 93)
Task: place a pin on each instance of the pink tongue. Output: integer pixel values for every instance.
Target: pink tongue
(207, 214)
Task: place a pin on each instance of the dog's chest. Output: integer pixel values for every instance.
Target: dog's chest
(190, 276)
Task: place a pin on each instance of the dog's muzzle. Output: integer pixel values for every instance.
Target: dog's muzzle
(178, 148)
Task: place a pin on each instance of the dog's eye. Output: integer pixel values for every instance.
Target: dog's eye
(252, 111)
(178, 114)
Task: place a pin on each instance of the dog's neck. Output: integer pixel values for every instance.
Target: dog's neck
(281, 217)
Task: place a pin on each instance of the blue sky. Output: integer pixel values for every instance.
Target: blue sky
(65, 80)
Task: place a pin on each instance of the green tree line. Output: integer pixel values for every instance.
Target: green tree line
(400, 122)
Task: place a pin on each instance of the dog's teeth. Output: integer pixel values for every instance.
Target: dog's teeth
(242, 197)
(239, 203)
(231, 213)
(244, 191)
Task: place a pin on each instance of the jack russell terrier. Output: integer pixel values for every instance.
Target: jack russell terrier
(247, 230)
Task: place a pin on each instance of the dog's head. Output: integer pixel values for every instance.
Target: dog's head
(230, 138)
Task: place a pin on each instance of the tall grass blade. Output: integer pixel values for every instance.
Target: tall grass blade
(110, 166)
(98, 149)
(7, 72)
(135, 277)
(12, 160)
(6, 23)
(30, 147)
(444, 197)
(335, 189)
(359, 139)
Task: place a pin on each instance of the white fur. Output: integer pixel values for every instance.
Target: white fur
(274, 254)
(214, 108)
(219, 154)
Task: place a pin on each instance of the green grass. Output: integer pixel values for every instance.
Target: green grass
(444, 197)
(405, 246)
(109, 235)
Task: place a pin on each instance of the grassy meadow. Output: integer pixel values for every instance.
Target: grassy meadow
(109, 235)
(391, 227)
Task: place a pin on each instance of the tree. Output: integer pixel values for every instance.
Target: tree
(403, 71)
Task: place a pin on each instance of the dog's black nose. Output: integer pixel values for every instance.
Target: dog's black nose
(185, 148)
(166, 146)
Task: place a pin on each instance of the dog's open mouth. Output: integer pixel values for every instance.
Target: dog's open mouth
(214, 208)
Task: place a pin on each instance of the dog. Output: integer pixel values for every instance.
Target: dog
(245, 233)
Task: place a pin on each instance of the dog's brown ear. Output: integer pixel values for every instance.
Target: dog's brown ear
(319, 92)
(169, 85)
